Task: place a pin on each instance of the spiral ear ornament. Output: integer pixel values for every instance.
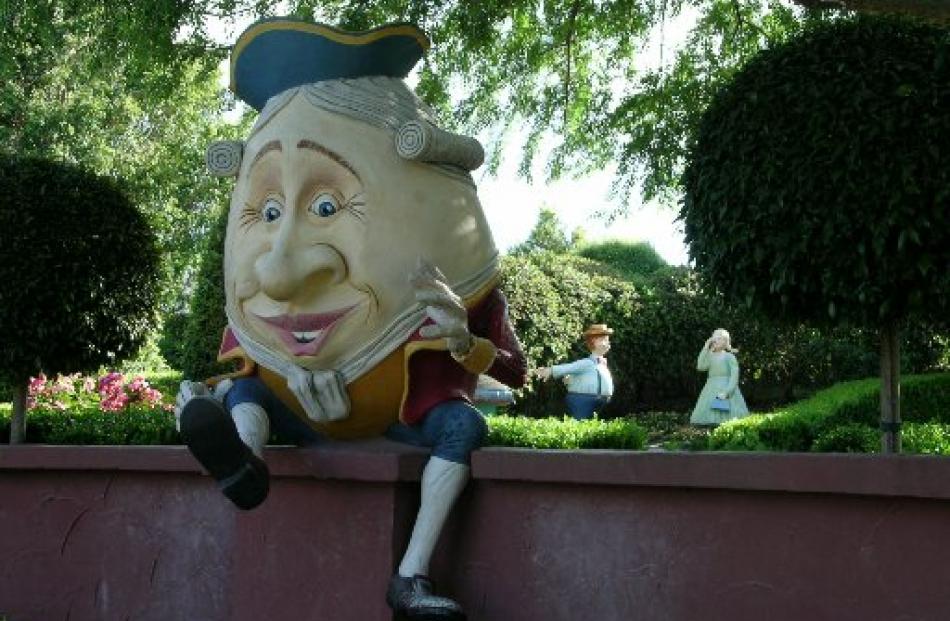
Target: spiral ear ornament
(223, 158)
(423, 142)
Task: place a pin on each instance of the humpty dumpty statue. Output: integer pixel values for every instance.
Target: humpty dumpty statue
(360, 276)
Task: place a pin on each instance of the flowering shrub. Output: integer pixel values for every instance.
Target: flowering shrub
(110, 393)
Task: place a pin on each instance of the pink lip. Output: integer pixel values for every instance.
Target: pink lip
(285, 325)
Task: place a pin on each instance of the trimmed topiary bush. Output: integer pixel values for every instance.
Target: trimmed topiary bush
(79, 273)
(633, 261)
(838, 206)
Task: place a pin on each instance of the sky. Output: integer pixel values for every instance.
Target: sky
(512, 204)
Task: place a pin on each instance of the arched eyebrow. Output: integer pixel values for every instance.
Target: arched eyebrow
(336, 157)
(273, 145)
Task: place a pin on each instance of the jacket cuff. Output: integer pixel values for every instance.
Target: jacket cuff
(480, 358)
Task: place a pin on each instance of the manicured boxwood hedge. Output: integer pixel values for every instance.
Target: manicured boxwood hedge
(844, 418)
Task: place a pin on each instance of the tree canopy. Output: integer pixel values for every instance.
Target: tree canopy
(840, 205)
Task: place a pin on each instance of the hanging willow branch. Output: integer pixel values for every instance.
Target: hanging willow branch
(568, 41)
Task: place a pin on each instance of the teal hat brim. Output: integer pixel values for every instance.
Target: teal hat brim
(275, 54)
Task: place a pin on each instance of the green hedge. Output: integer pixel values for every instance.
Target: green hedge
(91, 426)
(88, 426)
(565, 433)
(832, 419)
(206, 318)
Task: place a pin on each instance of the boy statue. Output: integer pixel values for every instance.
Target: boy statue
(589, 382)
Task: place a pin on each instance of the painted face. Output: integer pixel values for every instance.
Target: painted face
(600, 345)
(326, 225)
(718, 342)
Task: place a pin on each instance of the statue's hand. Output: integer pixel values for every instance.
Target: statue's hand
(444, 307)
(322, 394)
(543, 373)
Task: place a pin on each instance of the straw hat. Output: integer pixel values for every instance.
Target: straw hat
(598, 329)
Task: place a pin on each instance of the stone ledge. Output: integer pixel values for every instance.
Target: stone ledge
(384, 461)
(871, 475)
(376, 460)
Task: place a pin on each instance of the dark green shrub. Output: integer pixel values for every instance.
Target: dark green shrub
(79, 271)
(850, 438)
(171, 342)
(634, 261)
(565, 433)
(206, 318)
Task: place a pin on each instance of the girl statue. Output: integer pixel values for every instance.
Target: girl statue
(720, 399)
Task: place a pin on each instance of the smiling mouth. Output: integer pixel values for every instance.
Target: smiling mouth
(304, 334)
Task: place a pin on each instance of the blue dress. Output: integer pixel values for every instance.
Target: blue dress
(723, 378)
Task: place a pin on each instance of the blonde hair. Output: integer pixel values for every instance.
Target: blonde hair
(725, 334)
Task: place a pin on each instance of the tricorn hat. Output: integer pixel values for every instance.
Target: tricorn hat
(598, 329)
(275, 54)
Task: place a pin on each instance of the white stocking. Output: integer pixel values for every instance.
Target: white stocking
(252, 424)
(442, 482)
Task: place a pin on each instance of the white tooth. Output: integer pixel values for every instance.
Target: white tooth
(308, 336)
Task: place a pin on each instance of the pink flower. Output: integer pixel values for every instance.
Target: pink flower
(36, 384)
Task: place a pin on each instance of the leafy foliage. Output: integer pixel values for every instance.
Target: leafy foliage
(78, 270)
(546, 236)
(586, 73)
(849, 438)
(926, 438)
(840, 205)
(565, 433)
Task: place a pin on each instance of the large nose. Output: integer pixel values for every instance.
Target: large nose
(294, 266)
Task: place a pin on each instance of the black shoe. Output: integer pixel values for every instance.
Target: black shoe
(213, 439)
(413, 598)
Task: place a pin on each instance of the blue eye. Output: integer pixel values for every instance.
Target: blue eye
(271, 210)
(324, 206)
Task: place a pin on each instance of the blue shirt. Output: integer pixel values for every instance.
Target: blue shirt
(586, 376)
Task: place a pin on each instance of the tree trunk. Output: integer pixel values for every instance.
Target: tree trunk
(18, 417)
(890, 389)
(930, 9)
